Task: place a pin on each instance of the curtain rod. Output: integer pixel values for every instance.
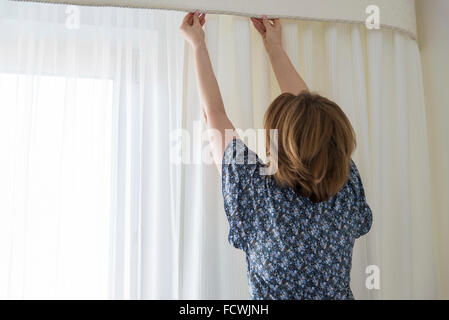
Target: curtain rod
(398, 15)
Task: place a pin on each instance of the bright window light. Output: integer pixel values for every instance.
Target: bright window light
(55, 187)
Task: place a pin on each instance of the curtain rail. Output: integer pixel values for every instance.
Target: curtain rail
(405, 24)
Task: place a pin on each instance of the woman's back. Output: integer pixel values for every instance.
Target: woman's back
(295, 248)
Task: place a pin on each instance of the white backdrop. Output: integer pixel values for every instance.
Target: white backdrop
(113, 217)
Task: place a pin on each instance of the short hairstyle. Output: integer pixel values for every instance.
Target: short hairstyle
(315, 144)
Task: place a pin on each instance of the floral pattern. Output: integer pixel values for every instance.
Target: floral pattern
(295, 249)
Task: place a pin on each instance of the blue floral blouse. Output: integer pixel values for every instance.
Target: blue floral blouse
(295, 249)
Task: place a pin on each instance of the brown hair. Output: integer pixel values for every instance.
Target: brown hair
(315, 143)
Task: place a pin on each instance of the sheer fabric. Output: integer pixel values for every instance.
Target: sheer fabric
(86, 122)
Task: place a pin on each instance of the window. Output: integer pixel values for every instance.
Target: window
(56, 143)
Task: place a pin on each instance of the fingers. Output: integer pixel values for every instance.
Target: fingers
(277, 23)
(270, 22)
(196, 19)
(265, 22)
(187, 19)
(202, 19)
(199, 18)
(258, 25)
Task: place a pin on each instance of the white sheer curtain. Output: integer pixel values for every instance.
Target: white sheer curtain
(89, 201)
(91, 205)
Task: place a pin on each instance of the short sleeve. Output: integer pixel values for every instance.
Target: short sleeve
(363, 215)
(240, 169)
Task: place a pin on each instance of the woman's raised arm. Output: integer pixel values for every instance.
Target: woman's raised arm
(221, 128)
(288, 78)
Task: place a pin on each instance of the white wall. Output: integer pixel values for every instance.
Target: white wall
(433, 33)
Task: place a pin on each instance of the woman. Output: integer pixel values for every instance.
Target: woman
(298, 226)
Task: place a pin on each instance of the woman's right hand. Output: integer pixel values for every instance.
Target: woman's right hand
(270, 30)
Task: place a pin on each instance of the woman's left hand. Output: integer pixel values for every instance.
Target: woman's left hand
(192, 28)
